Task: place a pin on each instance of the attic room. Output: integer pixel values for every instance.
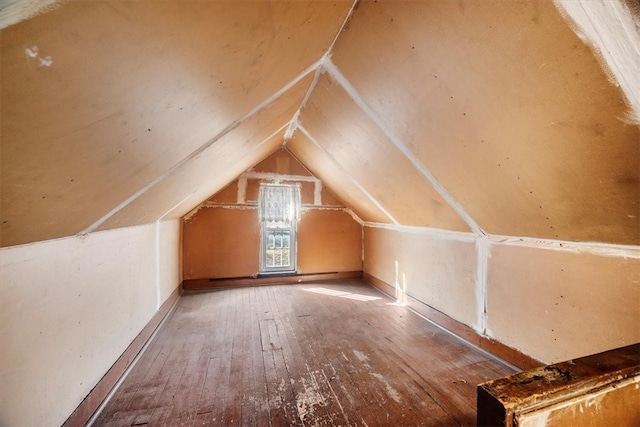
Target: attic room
(472, 165)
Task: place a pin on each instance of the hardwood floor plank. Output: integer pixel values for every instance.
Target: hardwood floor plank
(314, 398)
(258, 384)
(321, 354)
(364, 410)
(283, 378)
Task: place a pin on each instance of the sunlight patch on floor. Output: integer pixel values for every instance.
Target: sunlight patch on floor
(341, 294)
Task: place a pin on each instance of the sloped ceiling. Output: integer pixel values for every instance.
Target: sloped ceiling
(133, 92)
(491, 117)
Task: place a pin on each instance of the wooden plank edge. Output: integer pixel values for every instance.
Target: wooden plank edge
(199, 284)
(83, 413)
(501, 401)
(459, 329)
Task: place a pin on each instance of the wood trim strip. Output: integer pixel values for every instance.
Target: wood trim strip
(94, 399)
(459, 329)
(197, 284)
(503, 401)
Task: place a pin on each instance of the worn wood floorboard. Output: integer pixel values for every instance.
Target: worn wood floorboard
(324, 354)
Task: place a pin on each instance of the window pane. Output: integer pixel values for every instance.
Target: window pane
(277, 250)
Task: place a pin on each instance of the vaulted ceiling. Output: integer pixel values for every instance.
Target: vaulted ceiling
(490, 117)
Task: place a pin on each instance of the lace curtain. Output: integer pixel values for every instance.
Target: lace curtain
(279, 203)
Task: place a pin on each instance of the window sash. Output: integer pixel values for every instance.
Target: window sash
(279, 211)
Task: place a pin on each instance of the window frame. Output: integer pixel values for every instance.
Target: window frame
(289, 226)
(264, 231)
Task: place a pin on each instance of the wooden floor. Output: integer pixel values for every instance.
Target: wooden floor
(332, 354)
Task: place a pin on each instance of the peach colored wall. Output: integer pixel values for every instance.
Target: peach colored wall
(223, 242)
(550, 300)
(222, 237)
(220, 242)
(328, 241)
(562, 304)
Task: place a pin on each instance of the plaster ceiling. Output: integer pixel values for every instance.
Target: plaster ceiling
(491, 117)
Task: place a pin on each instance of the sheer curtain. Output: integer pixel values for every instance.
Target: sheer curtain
(279, 203)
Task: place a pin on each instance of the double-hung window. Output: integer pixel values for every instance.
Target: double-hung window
(279, 210)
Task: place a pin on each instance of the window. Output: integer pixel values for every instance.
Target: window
(279, 207)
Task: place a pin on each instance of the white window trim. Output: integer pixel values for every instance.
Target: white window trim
(292, 229)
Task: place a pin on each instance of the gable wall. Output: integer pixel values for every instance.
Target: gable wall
(222, 237)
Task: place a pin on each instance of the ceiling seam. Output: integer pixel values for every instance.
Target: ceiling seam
(167, 213)
(293, 124)
(353, 180)
(203, 147)
(294, 121)
(440, 233)
(203, 203)
(353, 214)
(344, 24)
(355, 96)
(252, 150)
(595, 248)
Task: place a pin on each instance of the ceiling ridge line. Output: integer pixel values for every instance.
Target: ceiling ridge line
(264, 141)
(344, 24)
(203, 147)
(355, 96)
(293, 124)
(294, 120)
(353, 180)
